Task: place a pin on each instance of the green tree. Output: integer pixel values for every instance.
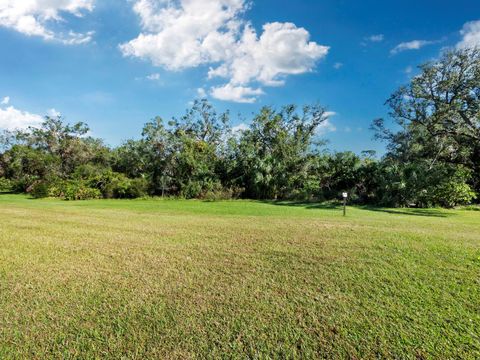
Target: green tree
(439, 116)
(273, 156)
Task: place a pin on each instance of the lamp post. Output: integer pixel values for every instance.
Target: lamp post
(345, 196)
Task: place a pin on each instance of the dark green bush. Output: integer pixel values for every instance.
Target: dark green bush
(223, 194)
(40, 190)
(118, 186)
(209, 189)
(122, 187)
(23, 184)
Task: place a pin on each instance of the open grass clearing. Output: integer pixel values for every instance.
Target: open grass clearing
(191, 279)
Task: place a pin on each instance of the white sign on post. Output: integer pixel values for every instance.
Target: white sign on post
(345, 195)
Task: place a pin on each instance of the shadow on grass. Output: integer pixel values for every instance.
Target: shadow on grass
(472, 208)
(338, 206)
(304, 204)
(411, 212)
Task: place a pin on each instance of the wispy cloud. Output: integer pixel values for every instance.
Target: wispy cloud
(411, 45)
(375, 38)
(153, 77)
(201, 93)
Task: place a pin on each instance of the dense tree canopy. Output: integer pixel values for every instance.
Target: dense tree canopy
(439, 118)
(433, 153)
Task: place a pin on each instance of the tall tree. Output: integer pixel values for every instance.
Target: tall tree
(273, 154)
(439, 113)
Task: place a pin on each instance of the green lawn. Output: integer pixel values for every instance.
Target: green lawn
(240, 279)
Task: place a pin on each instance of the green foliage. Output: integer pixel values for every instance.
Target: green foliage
(77, 190)
(454, 190)
(272, 158)
(121, 187)
(453, 193)
(39, 190)
(439, 118)
(5, 185)
(433, 160)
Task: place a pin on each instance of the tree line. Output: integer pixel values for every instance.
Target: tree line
(432, 137)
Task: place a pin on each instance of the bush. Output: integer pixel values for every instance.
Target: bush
(40, 190)
(118, 186)
(23, 184)
(76, 190)
(5, 185)
(125, 188)
(453, 193)
(223, 194)
(193, 189)
(138, 188)
(57, 189)
(209, 190)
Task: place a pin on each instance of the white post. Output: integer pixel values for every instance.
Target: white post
(345, 196)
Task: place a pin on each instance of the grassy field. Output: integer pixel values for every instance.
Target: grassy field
(189, 279)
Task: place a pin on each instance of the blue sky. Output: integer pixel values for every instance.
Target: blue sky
(115, 64)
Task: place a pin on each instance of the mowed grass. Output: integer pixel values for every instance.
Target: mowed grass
(236, 279)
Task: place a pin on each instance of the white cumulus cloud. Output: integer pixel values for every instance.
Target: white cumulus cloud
(240, 94)
(12, 118)
(33, 17)
(188, 33)
(5, 100)
(410, 45)
(470, 35)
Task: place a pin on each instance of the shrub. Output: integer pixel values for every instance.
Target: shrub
(453, 193)
(40, 190)
(5, 185)
(118, 186)
(125, 188)
(23, 184)
(223, 194)
(77, 190)
(57, 189)
(209, 190)
(138, 188)
(192, 190)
